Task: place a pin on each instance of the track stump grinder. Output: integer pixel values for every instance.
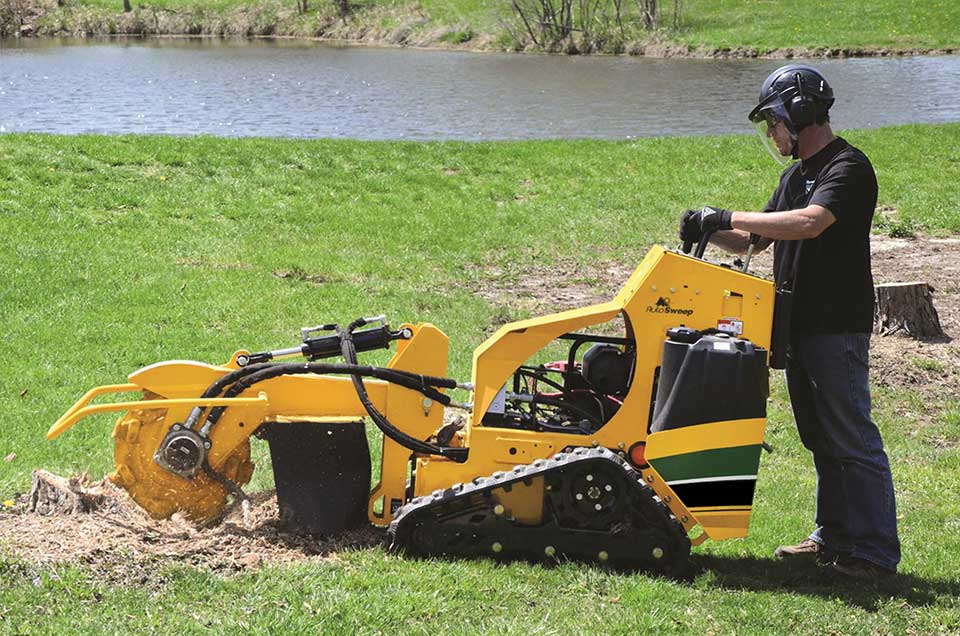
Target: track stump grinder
(648, 431)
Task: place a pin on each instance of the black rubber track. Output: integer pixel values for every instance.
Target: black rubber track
(624, 526)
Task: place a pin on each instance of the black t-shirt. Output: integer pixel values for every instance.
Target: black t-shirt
(833, 288)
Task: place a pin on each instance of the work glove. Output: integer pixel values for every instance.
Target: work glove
(710, 219)
(690, 231)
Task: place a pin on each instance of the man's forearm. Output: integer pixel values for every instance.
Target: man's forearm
(735, 241)
(791, 225)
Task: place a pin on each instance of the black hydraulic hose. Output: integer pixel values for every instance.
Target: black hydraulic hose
(218, 387)
(532, 373)
(267, 371)
(242, 379)
(388, 429)
(549, 401)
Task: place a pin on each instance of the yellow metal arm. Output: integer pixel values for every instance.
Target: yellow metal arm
(81, 409)
(70, 418)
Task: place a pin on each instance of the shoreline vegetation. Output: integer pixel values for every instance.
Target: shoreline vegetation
(744, 29)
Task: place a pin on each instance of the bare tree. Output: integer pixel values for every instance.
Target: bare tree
(618, 13)
(552, 24)
(548, 22)
(344, 9)
(648, 13)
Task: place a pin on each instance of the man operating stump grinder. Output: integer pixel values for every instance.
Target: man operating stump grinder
(819, 222)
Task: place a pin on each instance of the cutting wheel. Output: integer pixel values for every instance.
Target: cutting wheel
(137, 435)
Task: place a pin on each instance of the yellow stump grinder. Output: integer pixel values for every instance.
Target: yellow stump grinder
(614, 454)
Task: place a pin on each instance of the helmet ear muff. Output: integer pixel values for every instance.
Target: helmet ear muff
(802, 107)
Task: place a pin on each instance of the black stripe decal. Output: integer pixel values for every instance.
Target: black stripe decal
(716, 493)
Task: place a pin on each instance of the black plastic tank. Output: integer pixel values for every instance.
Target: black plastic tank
(709, 378)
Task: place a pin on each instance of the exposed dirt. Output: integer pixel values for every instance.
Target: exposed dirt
(120, 544)
(899, 361)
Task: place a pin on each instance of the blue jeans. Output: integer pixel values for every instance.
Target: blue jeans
(827, 376)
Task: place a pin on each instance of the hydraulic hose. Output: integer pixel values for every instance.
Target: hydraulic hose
(215, 389)
(236, 382)
(550, 401)
(388, 429)
(407, 380)
(414, 381)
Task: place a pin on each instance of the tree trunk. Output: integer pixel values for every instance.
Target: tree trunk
(908, 307)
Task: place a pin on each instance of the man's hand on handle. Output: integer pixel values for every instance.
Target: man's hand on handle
(694, 224)
(689, 227)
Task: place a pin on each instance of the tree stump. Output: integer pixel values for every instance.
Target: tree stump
(55, 495)
(907, 307)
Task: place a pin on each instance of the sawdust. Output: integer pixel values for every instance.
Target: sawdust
(124, 545)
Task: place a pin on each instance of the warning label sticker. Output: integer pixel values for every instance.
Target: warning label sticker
(732, 326)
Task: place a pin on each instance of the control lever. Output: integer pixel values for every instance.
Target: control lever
(702, 245)
(754, 239)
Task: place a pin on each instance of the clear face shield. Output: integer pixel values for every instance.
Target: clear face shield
(772, 123)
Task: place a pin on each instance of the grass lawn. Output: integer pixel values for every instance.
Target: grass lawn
(122, 251)
(771, 24)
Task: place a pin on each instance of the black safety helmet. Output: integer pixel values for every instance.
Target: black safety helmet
(796, 94)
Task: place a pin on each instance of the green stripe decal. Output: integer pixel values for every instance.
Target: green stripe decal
(715, 462)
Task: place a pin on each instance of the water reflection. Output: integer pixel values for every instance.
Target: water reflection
(302, 89)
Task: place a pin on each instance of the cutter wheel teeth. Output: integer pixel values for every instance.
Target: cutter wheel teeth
(617, 521)
(137, 435)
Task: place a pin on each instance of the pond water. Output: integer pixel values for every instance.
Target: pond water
(283, 88)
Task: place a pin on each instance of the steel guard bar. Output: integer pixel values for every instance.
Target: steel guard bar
(81, 409)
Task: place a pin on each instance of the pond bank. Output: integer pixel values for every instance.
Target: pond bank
(377, 25)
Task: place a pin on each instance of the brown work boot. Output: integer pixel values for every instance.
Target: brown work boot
(855, 568)
(806, 549)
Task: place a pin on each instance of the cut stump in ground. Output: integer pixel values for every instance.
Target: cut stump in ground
(906, 307)
(54, 495)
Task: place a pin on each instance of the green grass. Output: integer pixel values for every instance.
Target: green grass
(928, 364)
(122, 251)
(772, 24)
